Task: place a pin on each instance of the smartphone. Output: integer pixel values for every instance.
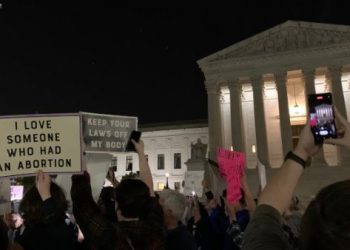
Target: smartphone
(322, 120)
(135, 135)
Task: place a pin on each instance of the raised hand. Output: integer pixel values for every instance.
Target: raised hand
(145, 171)
(139, 146)
(306, 145)
(43, 183)
(343, 131)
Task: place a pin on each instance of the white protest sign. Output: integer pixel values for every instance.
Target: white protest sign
(107, 133)
(262, 174)
(193, 182)
(5, 203)
(51, 143)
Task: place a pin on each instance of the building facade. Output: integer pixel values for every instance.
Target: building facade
(257, 89)
(257, 97)
(167, 148)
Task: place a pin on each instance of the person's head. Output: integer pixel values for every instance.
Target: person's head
(173, 204)
(241, 202)
(106, 203)
(209, 195)
(132, 196)
(326, 222)
(31, 205)
(211, 201)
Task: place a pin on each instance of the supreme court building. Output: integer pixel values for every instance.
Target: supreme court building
(257, 96)
(257, 90)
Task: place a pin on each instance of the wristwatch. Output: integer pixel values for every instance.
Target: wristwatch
(295, 158)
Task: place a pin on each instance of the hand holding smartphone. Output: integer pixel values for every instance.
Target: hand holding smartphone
(322, 120)
(135, 135)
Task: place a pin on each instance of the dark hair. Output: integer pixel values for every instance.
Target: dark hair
(241, 200)
(31, 204)
(326, 222)
(4, 240)
(132, 197)
(209, 195)
(224, 193)
(106, 203)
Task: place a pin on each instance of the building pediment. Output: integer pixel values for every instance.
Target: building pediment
(289, 36)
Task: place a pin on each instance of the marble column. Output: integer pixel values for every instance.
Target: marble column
(309, 80)
(237, 129)
(335, 73)
(285, 127)
(260, 123)
(214, 118)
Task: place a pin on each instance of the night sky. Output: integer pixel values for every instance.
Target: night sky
(102, 58)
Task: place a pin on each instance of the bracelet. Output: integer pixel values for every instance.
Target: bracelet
(295, 158)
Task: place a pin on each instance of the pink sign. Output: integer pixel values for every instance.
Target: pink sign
(231, 166)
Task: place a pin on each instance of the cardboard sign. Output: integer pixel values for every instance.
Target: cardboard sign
(107, 133)
(193, 182)
(51, 143)
(231, 166)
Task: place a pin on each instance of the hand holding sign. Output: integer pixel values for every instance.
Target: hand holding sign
(43, 183)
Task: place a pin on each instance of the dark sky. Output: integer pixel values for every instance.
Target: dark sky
(102, 58)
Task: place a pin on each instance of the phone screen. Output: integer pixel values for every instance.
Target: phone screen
(322, 117)
(16, 193)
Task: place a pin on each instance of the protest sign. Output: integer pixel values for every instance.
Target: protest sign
(193, 182)
(107, 133)
(51, 143)
(231, 165)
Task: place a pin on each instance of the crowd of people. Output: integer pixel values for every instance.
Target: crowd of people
(131, 215)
